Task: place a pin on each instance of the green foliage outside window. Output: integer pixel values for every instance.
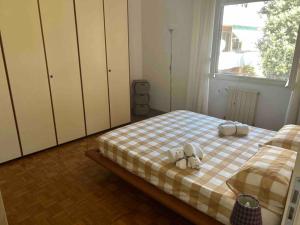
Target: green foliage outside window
(280, 33)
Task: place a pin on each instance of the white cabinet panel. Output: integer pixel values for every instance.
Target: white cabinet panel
(23, 48)
(90, 23)
(116, 25)
(10, 148)
(58, 21)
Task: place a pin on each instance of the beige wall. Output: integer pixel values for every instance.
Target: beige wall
(157, 17)
(135, 39)
(149, 23)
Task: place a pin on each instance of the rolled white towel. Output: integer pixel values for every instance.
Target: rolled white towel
(177, 156)
(172, 154)
(227, 129)
(197, 148)
(199, 152)
(233, 129)
(194, 163)
(181, 161)
(181, 164)
(242, 129)
(192, 160)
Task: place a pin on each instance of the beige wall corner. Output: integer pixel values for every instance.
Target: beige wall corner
(135, 39)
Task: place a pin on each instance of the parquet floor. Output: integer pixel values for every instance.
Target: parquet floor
(61, 186)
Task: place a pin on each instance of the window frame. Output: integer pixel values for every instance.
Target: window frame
(217, 35)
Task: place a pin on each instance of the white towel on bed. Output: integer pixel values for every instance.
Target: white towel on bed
(177, 156)
(198, 150)
(193, 160)
(233, 129)
(242, 129)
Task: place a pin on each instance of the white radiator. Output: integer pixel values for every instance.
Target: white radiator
(241, 105)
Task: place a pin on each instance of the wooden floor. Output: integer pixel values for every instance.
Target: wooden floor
(61, 186)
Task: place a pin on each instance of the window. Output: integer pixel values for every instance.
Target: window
(255, 38)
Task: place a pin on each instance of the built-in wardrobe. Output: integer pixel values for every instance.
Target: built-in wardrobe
(64, 72)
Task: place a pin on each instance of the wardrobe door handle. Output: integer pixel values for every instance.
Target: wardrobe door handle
(109, 70)
(51, 76)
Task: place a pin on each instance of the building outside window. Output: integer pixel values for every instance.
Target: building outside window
(255, 38)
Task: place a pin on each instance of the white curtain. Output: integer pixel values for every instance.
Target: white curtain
(292, 114)
(202, 36)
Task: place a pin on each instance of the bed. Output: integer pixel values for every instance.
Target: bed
(138, 153)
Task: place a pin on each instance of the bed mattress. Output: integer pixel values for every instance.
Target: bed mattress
(142, 147)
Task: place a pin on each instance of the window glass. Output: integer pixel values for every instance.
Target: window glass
(258, 38)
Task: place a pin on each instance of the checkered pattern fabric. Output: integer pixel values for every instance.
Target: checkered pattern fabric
(243, 215)
(142, 148)
(266, 176)
(287, 137)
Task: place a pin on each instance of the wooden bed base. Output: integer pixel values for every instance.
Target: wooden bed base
(169, 201)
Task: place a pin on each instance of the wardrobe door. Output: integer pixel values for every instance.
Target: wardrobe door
(90, 24)
(10, 148)
(58, 22)
(23, 49)
(116, 25)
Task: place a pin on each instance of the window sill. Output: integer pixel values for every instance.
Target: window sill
(255, 80)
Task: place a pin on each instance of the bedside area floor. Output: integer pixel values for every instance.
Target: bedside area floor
(61, 186)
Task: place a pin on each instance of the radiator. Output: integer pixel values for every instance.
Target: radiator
(241, 105)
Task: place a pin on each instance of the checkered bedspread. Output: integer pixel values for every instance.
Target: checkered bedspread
(287, 137)
(142, 148)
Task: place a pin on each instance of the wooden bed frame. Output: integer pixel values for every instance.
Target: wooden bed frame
(169, 201)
